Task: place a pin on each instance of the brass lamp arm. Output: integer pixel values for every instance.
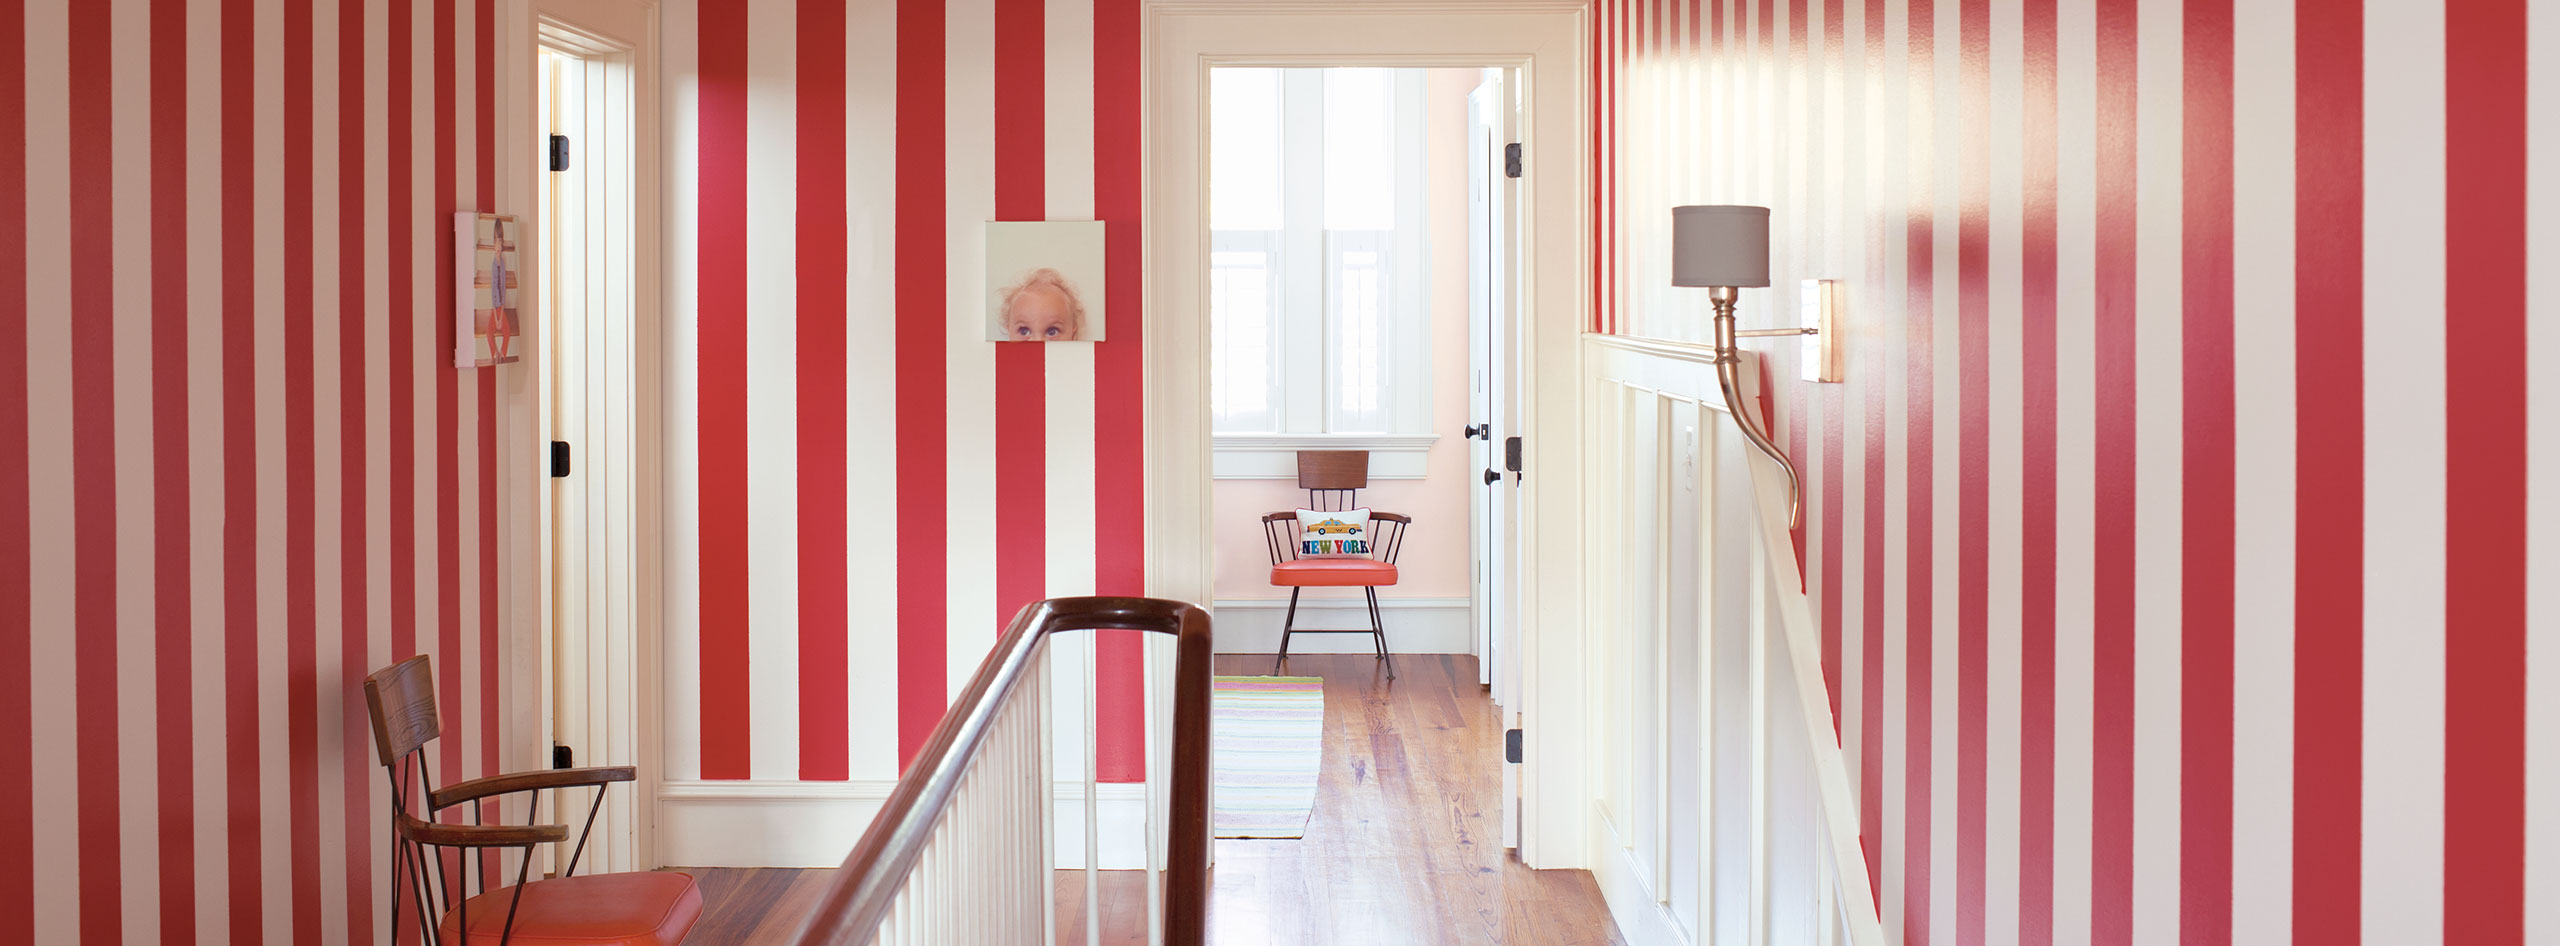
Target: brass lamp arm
(1728, 375)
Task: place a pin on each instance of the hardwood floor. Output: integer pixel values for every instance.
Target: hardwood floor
(1405, 846)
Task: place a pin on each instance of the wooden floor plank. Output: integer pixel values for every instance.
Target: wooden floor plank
(1404, 847)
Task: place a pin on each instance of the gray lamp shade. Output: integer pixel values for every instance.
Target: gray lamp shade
(1719, 245)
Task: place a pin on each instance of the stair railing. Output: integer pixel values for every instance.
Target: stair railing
(962, 852)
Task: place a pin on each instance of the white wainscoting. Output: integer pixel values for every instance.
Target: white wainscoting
(779, 823)
(1723, 812)
(1414, 625)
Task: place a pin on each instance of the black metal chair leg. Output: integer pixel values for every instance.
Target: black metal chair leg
(1378, 629)
(1287, 623)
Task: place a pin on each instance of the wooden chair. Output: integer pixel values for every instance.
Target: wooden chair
(650, 908)
(1333, 480)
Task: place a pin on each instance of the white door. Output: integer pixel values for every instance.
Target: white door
(1493, 326)
(593, 317)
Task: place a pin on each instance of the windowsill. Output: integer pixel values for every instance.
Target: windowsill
(1275, 456)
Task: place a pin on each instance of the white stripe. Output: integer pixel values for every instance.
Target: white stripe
(51, 532)
(2404, 683)
(2002, 705)
(2075, 473)
(330, 685)
(1850, 132)
(275, 751)
(680, 678)
(1067, 97)
(969, 387)
(136, 793)
(466, 405)
(377, 396)
(773, 434)
(2159, 485)
(871, 392)
(2263, 426)
(1893, 304)
(207, 568)
(2542, 555)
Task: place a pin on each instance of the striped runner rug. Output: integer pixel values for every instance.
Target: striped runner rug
(1268, 737)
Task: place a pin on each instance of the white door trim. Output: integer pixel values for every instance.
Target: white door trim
(1550, 51)
(632, 25)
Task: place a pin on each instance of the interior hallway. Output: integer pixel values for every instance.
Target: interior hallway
(1404, 849)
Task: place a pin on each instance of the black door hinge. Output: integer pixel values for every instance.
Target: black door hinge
(559, 458)
(560, 757)
(1511, 454)
(1511, 159)
(560, 153)
(1511, 746)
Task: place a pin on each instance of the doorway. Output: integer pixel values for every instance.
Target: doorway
(595, 331)
(1362, 291)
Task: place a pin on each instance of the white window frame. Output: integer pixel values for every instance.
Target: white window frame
(1307, 412)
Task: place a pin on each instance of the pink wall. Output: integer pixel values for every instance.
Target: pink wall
(237, 472)
(2172, 562)
(1434, 561)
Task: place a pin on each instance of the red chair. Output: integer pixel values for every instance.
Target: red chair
(1333, 480)
(652, 908)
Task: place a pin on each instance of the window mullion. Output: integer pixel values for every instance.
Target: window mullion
(1306, 371)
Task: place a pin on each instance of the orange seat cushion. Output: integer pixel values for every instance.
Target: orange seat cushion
(647, 908)
(1330, 572)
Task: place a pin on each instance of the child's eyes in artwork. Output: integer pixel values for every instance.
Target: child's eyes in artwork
(1052, 332)
(1023, 331)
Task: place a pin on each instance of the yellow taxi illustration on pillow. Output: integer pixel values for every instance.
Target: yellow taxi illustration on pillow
(1333, 526)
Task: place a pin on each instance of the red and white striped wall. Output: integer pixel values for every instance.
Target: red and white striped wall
(2176, 536)
(861, 488)
(235, 474)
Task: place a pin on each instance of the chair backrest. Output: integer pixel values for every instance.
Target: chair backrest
(403, 700)
(1333, 479)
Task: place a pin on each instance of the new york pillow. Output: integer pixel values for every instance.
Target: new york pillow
(1334, 533)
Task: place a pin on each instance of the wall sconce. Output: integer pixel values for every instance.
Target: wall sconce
(1723, 249)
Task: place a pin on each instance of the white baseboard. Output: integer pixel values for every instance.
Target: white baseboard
(782, 823)
(1414, 625)
(1642, 919)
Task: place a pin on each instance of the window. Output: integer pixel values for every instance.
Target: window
(1319, 326)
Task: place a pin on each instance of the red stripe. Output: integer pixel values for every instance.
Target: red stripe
(1835, 403)
(363, 809)
(93, 461)
(2037, 386)
(723, 408)
(2487, 472)
(172, 509)
(241, 326)
(446, 200)
(1973, 486)
(17, 761)
(2111, 694)
(2328, 694)
(1919, 431)
(484, 41)
(1119, 369)
(301, 659)
(2208, 487)
(1599, 208)
(924, 530)
(825, 744)
(1021, 417)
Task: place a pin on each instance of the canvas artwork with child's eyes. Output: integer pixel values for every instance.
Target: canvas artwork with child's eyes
(1044, 281)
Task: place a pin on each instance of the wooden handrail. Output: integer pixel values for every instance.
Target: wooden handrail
(864, 890)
